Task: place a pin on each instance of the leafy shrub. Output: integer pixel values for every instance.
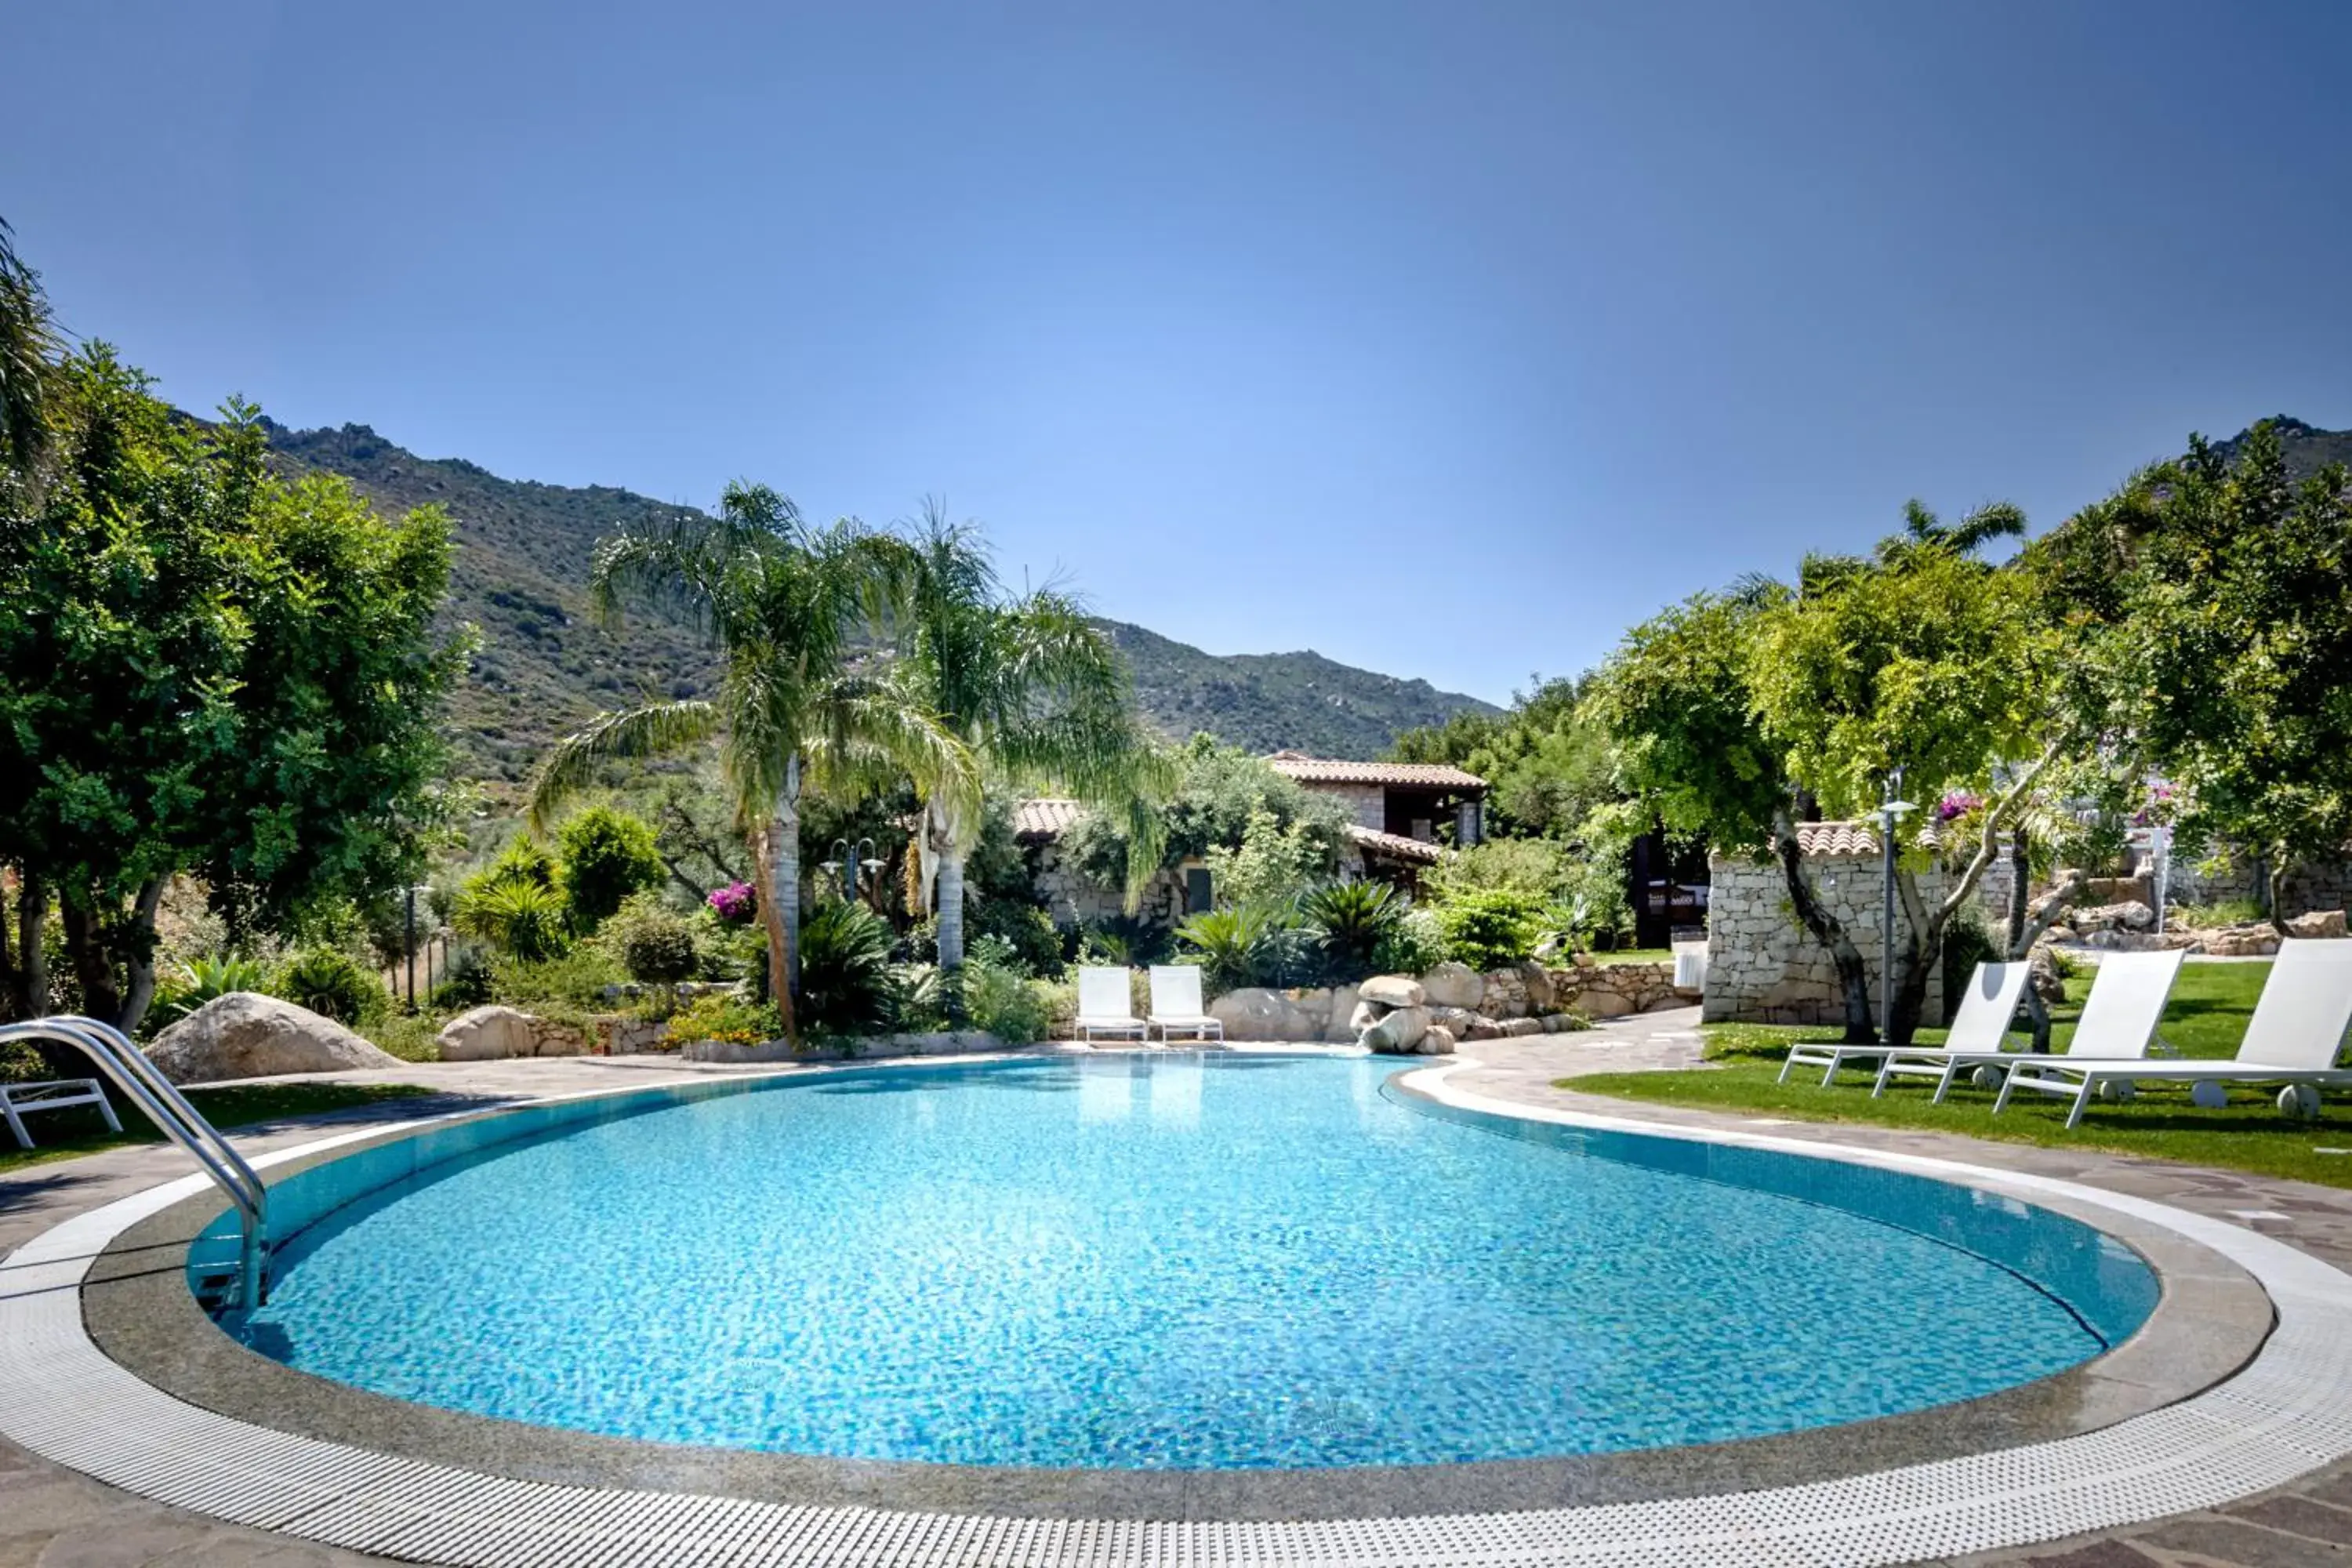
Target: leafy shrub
(1349, 921)
(998, 998)
(201, 980)
(578, 976)
(2220, 912)
(1490, 929)
(1249, 944)
(331, 983)
(1414, 945)
(654, 944)
(1537, 869)
(466, 983)
(846, 982)
(718, 1017)
(606, 855)
(1125, 941)
(522, 917)
(1026, 928)
(922, 1001)
(1273, 863)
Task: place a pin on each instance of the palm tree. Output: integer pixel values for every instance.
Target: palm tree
(27, 340)
(1036, 693)
(783, 602)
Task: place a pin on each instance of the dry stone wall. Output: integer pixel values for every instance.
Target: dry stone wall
(1762, 967)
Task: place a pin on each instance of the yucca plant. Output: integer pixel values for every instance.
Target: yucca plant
(1245, 944)
(524, 919)
(330, 984)
(847, 985)
(1349, 919)
(203, 980)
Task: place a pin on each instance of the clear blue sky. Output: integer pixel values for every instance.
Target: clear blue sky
(1446, 338)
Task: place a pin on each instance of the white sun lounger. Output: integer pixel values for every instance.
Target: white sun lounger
(1106, 1007)
(2294, 1038)
(1980, 1023)
(18, 1101)
(2127, 1001)
(1176, 1002)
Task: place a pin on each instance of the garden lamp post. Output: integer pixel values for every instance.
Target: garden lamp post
(408, 940)
(1891, 813)
(847, 856)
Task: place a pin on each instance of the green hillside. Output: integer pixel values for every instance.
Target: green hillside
(545, 666)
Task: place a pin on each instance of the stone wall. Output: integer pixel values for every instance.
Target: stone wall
(1368, 805)
(1073, 898)
(2321, 885)
(1762, 967)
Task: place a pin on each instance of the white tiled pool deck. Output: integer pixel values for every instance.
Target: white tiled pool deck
(290, 1498)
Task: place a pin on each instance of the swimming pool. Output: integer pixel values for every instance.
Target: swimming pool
(1164, 1261)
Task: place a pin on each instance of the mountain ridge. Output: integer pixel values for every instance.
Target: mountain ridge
(545, 667)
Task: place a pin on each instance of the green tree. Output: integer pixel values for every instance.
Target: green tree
(1924, 661)
(1218, 789)
(202, 669)
(605, 855)
(2225, 633)
(1035, 692)
(781, 602)
(28, 343)
(1678, 700)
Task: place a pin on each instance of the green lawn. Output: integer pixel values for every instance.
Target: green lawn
(2207, 1017)
(61, 1134)
(1636, 955)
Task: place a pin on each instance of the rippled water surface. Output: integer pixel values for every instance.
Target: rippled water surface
(1175, 1261)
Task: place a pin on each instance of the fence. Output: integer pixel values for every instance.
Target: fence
(413, 978)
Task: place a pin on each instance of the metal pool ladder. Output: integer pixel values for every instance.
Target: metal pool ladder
(127, 1067)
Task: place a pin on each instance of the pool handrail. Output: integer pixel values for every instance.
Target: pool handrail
(129, 1070)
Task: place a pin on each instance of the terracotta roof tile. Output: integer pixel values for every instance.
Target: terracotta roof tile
(1048, 818)
(1331, 770)
(1837, 837)
(1396, 846)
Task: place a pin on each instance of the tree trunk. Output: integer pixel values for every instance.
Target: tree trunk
(1853, 979)
(2021, 889)
(780, 897)
(950, 886)
(2039, 919)
(2274, 884)
(31, 996)
(1912, 959)
(138, 957)
(85, 946)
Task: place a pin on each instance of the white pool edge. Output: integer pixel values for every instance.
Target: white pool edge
(62, 1398)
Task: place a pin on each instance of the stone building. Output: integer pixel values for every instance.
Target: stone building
(1762, 967)
(1395, 812)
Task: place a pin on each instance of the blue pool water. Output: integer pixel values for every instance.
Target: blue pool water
(1171, 1262)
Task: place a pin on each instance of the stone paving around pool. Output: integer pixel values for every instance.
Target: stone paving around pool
(51, 1517)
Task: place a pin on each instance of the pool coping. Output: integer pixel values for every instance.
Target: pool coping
(2209, 1321)
(2270, 1422)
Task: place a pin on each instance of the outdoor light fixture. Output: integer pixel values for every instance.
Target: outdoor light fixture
(1891, 813)
(846, 858)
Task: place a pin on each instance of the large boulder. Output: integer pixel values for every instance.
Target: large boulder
(247, 1035)
(1345, 1000)
(1435, 1041)
(1452, 984)
(2317, 923)
(494, 1033)
(1255, 1013)
(487, 1034)
(2129, 915)
(1398, 1032)
(1393, 990)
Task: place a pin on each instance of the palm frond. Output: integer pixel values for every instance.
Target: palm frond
(573, 760)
